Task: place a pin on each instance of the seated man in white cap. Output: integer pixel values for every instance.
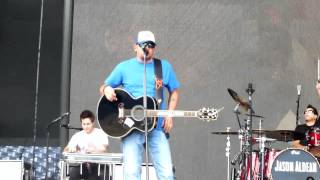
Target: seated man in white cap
(130, 75)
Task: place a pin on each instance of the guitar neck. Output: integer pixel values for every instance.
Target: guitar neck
(171, 113)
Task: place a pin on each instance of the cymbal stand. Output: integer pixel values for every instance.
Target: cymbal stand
(247, 156)
(240, 157)
(248, 143)
(262, 151)
(228, 153)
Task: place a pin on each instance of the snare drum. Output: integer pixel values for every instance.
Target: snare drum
(313, 137)
(295, 164)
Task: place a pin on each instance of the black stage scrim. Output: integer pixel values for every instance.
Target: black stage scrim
(213, 45)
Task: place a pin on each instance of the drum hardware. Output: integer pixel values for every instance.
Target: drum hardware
(228, 153)
(262, 152)
(246, 138)
(234, 174)
(262, 161)
(255, 115)
(257, 164)
(248, 133)
(237, 158)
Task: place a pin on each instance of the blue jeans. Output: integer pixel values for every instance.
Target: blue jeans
(159, 150)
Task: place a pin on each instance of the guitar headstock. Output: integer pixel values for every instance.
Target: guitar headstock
(209, 114)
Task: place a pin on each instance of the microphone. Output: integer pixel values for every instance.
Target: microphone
(67, 126)
(299, 89)
(298, 101)
(244, 104)
(60, 117)
(236, 108)
(144, 47)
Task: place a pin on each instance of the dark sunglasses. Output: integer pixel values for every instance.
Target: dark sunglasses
(148, 45)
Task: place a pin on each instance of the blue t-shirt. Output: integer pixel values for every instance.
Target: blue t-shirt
(130, 75)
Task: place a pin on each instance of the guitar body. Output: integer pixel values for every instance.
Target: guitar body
(119, 118)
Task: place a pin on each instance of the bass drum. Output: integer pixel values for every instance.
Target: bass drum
(270, 155)
(295, 164)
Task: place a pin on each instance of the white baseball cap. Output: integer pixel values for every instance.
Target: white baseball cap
(145, 36)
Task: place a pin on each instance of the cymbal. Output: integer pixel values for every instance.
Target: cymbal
(259, 131)
(225, 133)
(244, 104)
(270, 135)
(284, 135)
(254, 131)
(258, 139)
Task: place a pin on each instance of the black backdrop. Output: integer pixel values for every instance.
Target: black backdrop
(213, 45)
(19, 35)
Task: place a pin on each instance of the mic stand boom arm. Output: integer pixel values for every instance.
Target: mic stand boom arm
(67, 126)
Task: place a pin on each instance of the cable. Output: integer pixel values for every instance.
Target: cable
(37, 89)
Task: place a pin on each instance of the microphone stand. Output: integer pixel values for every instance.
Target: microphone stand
(297, 112)
(47, 154)
(236, 111)
(145, 112)
(47, 139)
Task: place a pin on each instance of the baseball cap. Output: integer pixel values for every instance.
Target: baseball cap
(145, 36)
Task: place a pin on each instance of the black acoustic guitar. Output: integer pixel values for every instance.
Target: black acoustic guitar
(120, 117)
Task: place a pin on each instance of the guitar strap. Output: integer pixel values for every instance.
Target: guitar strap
(158, 80)
(159, 83)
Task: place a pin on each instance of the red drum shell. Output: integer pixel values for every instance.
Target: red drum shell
(270, 155)
(313, 137)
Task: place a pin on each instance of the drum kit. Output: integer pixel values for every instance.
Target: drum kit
(265, 162)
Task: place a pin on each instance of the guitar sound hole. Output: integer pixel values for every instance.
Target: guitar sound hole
(137, 113)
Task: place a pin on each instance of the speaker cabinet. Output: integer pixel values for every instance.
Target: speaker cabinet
(11, 169)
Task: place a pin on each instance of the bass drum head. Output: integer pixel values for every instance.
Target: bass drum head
(295, 164)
